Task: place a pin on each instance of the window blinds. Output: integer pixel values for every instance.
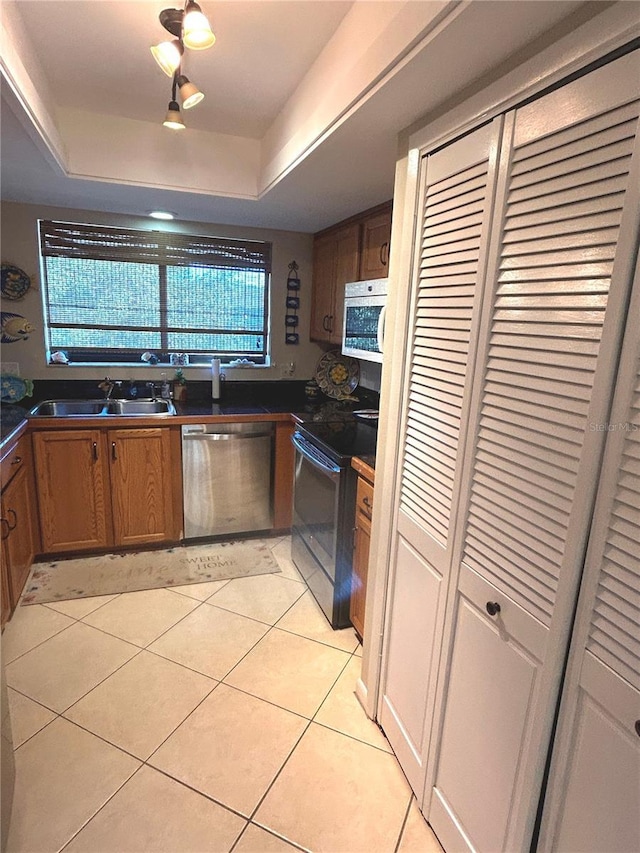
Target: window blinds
(111, 291)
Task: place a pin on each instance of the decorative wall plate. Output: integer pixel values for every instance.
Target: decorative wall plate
(13, 388)
(14, 327)
(14, 282)
(337, 374)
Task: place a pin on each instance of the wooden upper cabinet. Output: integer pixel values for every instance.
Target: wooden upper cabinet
(353, 250)
(72, 485)
(324, 274)
(374, 254)
(141, 485)
(335, 262)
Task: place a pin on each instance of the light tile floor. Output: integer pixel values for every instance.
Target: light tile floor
(212, 717)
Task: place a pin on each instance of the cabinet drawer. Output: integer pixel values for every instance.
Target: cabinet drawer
(13, 460)
(364, 498)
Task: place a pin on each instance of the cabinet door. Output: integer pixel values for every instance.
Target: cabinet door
(19, 540)
(560, 275)
(72, 489)
(324, 279)
(374, 254)
(335, 262)
(6, 591)
(347, 262)
(592, 800)
(141, 485)
(361, 548)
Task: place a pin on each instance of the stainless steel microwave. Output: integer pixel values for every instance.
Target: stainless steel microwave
(365, 306)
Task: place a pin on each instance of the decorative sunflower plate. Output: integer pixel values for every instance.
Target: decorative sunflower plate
(13, 388)
(14, 282)
(337, 375)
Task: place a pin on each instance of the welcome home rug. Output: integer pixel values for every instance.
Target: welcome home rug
(112, 573)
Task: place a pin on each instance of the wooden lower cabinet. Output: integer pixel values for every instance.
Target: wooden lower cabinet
(361, 548)
(283, 480)
(141, 486)
(19, 531)
(72, 481)
(99, 488)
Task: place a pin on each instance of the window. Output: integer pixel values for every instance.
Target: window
(113, 293)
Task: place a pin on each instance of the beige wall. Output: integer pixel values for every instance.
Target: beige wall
(20, 247)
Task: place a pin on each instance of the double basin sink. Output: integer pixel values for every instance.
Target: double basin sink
(92, 408)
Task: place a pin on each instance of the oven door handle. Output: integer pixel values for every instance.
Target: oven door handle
(326, 467)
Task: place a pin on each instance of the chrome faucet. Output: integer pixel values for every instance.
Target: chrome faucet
(152, 388)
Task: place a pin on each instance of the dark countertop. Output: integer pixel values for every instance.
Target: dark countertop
(11, 418)
(240, 399)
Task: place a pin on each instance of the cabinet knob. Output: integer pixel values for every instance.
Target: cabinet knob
(6, 529)
(15, 519)
(17, 460)
(114, 455)
(493, 608)
(95, 451)
(384, 254)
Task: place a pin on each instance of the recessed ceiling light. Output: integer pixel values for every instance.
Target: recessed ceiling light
(161, 214)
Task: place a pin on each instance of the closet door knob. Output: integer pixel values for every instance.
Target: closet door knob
(493, 608)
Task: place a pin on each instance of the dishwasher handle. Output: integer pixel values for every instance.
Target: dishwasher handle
(223, 436)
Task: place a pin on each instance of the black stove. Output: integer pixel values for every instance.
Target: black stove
(324, 508)
(340, 440)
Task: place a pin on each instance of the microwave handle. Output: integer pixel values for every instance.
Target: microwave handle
(381, 319)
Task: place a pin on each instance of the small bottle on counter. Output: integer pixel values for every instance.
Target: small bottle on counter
(215, 378)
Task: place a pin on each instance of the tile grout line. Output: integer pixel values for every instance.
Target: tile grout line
(404, 823)
(295, 746)
(97, 812)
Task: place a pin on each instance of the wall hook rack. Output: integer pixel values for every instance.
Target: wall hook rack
(291, 318)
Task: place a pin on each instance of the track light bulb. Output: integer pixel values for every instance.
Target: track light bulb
(189, 93)
(168, 55)
(173, 119)
(196, 30)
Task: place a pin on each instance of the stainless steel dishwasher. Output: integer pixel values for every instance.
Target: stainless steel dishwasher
(227, 478)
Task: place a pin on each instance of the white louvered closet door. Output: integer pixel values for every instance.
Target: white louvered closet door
(593, 802)
(559, 280)
(458, 187)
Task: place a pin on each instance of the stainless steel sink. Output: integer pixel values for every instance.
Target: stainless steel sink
(68, 408)
(91, 408)
(141, 407)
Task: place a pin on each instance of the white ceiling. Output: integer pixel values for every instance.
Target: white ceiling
(265, 81)
(101, 61)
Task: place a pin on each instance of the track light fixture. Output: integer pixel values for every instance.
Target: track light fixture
(196, 31)
(168, 55)
(191, 29)
(189, 94)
